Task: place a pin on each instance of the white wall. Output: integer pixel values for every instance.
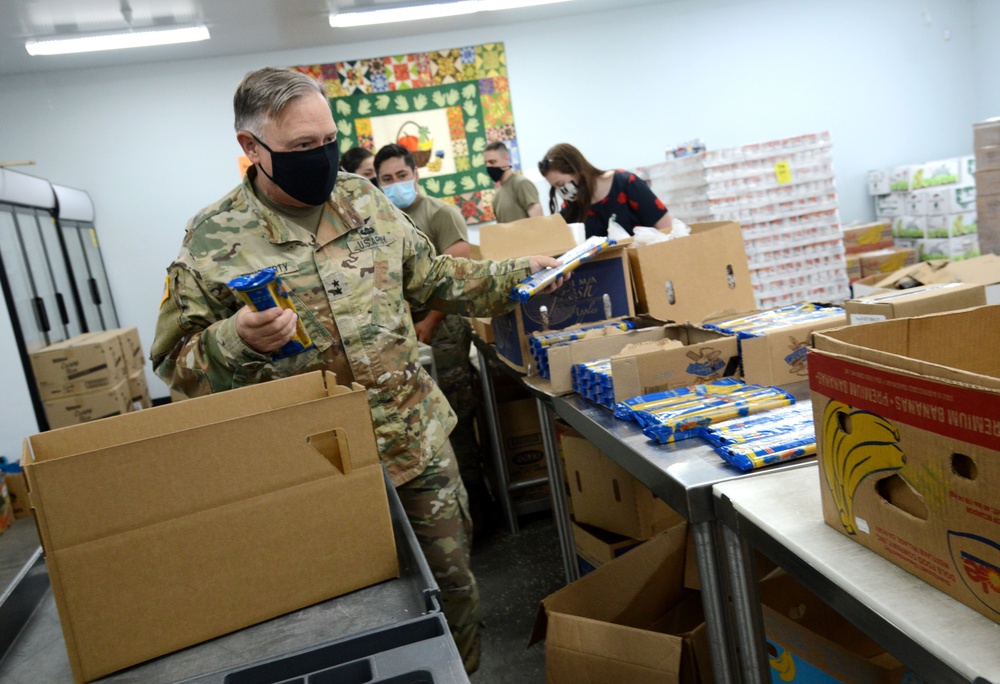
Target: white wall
(153, 143)
(987, 56)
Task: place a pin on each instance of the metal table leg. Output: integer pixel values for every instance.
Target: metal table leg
(499, 463)
(748, 619)
(560, 511)
(715, 602)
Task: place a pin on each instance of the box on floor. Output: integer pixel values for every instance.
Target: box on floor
(214, 514)
(810, 643)
(523, 449)
(88, 406)
(579, 300)
(917, 301)
(596, 547)
(630, 620)
(85, 363)
(907, 416)
(605, 495)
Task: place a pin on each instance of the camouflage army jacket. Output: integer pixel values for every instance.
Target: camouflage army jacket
(348, 282)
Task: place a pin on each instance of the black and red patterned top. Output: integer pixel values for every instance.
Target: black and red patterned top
(630, 201)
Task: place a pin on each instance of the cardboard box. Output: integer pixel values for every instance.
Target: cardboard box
(988, 158)
(853, 267)
(215, 513)
(886, 260)
(605, 495)
(6, 507)
(693, 278)
(900, 178)
(522, 440)
(907, 418)
(84, 408)
(890, 206)
(951, 225)
(967, 170)
(878, 182)
(916, 202)
(779, 357)
(909, 226)
(984, 270)
(988, 182)
(684, 355)
(951, 200)
(630, 620)
(483, 328)
(138, 391)
(18, 490)
(579, 300)
(135, 358)
(867, 237)
(934, 173)
(986, 133)
(80, 364)
(808, 642)
(916, 301)
(951, 249)
(596, 547)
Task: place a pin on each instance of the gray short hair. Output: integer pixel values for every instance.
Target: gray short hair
(263, 94)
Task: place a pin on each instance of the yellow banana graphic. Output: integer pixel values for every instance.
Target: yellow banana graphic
(784, 665)
(866, 446)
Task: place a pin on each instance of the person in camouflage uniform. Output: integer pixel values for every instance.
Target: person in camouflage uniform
(449, 336)
(350, 260)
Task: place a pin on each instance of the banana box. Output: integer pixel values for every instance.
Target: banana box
(867, 237)
(907, 415)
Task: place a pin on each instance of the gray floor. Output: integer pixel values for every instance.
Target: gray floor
(515, 572)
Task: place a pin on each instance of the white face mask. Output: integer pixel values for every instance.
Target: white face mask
(569, 191)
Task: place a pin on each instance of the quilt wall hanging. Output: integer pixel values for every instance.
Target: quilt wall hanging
(444, 106)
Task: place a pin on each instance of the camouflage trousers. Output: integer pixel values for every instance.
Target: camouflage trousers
(438, 510)
(451, 342)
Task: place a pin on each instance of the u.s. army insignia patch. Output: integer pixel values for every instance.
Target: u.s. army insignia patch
(371, 242)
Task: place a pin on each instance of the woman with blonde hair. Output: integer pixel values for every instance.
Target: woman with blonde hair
(591, 196)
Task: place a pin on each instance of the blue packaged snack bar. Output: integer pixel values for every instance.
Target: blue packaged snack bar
(264, 290)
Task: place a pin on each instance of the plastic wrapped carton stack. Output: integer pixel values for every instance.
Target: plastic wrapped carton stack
(932, 207)
(986, 138)
(783, 194)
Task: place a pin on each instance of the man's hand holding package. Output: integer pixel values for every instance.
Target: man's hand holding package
(540, 263)
(265, 331)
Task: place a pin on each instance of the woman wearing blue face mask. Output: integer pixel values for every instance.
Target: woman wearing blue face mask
(591, 196)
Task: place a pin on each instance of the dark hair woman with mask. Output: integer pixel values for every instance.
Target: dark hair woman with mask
(591, 196)
(360, 161)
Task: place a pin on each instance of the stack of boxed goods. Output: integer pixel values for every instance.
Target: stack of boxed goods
(91, 376)
(783, 194)
(870, 249)
(932, 207)
(986, 138)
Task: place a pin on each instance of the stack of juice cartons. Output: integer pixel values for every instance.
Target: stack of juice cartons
(783, 194)
(932, 207)
(986, 138)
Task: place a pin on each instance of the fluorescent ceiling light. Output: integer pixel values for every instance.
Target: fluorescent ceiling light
(117, 41)
(431, 11)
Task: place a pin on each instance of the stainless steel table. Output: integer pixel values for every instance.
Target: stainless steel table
(682, 474)
(940, 639)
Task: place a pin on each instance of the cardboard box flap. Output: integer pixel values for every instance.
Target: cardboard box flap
(547, 235)
(984, 270)
(948, 346)
(154, 480)
(213, 408)
(631, 590)
(897, 296)
(599, 642)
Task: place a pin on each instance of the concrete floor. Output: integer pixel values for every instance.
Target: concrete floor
(515, 572)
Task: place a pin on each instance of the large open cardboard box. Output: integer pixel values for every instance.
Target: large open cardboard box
(916, 301)
(907, 416)
(630, 620)
(579, 300)
(167, 527)
(693, 278)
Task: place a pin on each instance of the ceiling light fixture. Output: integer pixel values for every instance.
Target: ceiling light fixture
(117, 40)
(430, 11)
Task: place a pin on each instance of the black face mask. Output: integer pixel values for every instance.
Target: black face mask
(306, 175)
(496, 172)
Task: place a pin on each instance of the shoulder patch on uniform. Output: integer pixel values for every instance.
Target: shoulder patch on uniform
(166, 290)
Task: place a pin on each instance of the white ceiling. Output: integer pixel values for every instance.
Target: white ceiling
(237, 26)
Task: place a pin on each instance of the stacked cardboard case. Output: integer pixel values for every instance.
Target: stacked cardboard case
(932, 207)
(91, 376)
(986, 138)
(783, 194)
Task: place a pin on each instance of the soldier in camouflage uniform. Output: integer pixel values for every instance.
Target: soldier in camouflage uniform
(351, 260)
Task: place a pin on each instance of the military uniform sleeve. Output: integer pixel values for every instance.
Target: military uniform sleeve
(196, 349)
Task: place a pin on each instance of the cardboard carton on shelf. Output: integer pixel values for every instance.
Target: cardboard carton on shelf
(916, 301)
(693, 278)
(630, 620)
(84, 363)
(606, 496)
(90, 406)
(907, 416)
(579, 300)
(215, 513)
